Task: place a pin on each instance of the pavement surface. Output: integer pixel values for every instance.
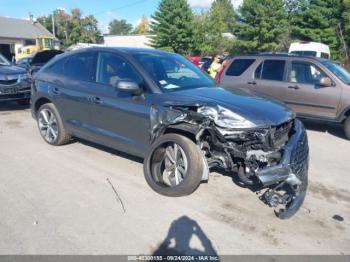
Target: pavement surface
(60, 200)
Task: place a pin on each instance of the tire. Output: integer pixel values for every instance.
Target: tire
(54, 123)
(347, 128)
(23, 102)
(157, 159)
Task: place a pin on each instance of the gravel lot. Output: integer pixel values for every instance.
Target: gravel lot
(59, 201)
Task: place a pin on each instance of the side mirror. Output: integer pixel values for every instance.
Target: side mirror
(129, 87)
(326, 82)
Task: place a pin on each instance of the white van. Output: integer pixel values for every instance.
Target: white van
(310, 49)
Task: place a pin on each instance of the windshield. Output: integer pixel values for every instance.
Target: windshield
(4, 61)
(173, 72)
(338, 70)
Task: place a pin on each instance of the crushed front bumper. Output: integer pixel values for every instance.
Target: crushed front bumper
(294, 161)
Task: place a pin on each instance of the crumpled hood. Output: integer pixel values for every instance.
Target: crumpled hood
(261, 111)
(11, 70)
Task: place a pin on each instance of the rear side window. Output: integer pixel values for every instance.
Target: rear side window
(81, 67)
(239, 66)
(271, 70)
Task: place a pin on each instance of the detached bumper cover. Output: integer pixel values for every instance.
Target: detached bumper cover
(294, 161)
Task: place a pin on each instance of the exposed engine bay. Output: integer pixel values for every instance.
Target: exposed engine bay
(271, 160)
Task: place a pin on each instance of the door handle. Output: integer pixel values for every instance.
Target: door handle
(294, 87)
(56, 91)
(253, 83)
(97, 100)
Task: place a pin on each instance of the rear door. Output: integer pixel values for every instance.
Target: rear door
(305, 94)
(74, 91)
(237, 73)
(269, 78)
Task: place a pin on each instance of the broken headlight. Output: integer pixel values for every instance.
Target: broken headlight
(225, 118)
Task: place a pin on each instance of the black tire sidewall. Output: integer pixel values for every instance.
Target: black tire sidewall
(347, 128)
(194, 170)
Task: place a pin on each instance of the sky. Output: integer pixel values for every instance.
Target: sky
(103, 10)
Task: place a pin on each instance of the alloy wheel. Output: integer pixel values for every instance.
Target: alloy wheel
(48, 125)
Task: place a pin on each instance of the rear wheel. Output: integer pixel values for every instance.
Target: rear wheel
(51, 126)
(347, 128)
(174, 166)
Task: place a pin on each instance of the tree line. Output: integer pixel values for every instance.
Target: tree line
(74, 27)
(256, 26)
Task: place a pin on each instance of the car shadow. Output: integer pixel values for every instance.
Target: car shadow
(12, 106)
(323, 127)
(109, 150)
(177, 242)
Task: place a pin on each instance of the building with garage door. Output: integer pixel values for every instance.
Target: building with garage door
(17, 33)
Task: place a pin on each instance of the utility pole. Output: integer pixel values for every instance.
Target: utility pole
(53, 24)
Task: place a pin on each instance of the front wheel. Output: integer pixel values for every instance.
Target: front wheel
(51, 126)
(347, 128)
(174, 166)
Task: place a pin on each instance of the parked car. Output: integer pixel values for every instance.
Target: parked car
(178, 121)
(314, 88)
(24, 62)
(34, 63)
(196, 60)
(14, 83)
(310, 49)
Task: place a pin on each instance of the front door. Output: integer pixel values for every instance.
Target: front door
(305, 94)
(121, 119)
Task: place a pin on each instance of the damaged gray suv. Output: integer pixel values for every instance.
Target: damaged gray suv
(161, 107)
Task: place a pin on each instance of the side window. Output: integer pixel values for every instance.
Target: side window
(56, 68)
(112, 68)
(305, 73)
(324, 55)
(239, 66)
(81, 67)
(271, 70)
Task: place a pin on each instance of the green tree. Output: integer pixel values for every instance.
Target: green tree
(223, 14)
(221, 19)
(172, 26)
(201, 35)
(261, 24)
(346, 20)
(72, 28)
(82, 29)
(318, 21)
(120, 27)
